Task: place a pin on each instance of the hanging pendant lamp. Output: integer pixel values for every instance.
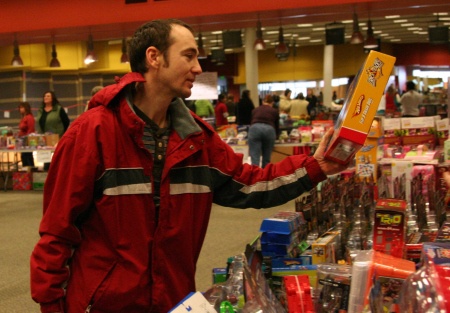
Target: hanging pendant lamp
(16, 60)
(54, 62)
(371, 42)
(90, 55)
(282, 49)
(357, 36)
(201, 50)
(259, 42)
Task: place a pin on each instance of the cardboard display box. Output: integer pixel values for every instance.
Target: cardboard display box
(39, 180)
(360, 107)
(22, 180)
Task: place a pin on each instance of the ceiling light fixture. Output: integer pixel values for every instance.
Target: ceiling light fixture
(90, 55)
(124, 57)
(218, 54)
(201, 49)
(281, 49)
(16, 60)
(371, 42)
(259, 42)
(54, 62)
(357, 36)
(438, 34)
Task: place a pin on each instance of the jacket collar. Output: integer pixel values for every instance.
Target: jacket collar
(182, 121)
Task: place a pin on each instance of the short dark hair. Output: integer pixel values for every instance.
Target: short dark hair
(287, 91)
(410, 85)
(268, 99)
(222, 97)
(155, 33)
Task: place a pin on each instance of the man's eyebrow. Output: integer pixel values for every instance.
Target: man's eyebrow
(193, 50)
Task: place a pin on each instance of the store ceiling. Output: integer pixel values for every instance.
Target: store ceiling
(415, 16)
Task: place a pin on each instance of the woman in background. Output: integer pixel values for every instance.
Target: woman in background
(263, 132)
(26, 126)
(244, 109)
(52, 118)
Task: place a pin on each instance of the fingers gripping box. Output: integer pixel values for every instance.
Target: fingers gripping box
(360, 107)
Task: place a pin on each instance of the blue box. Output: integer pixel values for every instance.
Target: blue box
(282, 223)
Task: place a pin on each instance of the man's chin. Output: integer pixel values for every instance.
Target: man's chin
(186, 94)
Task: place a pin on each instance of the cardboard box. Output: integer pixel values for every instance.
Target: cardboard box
(442, 131)
(323, 249)
(360, 107)
(392, 131)
(39, 180)
(22, 180)
(366, 159)
(282, 223)
(419, 131)
(389, 232)
(51, 140)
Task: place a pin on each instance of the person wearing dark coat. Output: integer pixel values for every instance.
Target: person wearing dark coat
(244, 109)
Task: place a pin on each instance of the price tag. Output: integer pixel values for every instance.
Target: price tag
(43, 156)
(6, 114)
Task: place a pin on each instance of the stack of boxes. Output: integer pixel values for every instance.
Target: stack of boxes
(367, 157)
(282, 235)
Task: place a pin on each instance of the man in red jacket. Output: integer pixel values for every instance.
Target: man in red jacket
(128, 197)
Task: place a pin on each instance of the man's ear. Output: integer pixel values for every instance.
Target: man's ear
(153, 56)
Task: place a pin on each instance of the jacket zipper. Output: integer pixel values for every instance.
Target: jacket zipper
(88, 309)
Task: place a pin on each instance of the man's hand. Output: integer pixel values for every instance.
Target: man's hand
(327, 166)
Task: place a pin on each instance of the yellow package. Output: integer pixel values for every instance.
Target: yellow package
(360, 107)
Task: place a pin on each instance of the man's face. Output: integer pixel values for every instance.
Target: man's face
(179, 70)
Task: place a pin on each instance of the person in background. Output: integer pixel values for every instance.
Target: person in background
(204, 108)
(52, 118)
(128, 197)
(231, 105)
(410, 101)
(392, 100)
(388, 106)
(276, 101)
(299, 106)
(285, 101)
(26, 126)
(312, 103)
(244, 109)
(94, 90)
(263, 132)
(220, 111)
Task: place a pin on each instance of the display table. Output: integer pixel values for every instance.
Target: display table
(10, 159)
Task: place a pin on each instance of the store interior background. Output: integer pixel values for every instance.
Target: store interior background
(400, 28)
(37, 25)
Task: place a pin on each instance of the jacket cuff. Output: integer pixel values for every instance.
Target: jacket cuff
(315, 173)
(53, 307)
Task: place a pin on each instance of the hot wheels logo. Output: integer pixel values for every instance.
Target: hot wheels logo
(374, 72)
(358, 106)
